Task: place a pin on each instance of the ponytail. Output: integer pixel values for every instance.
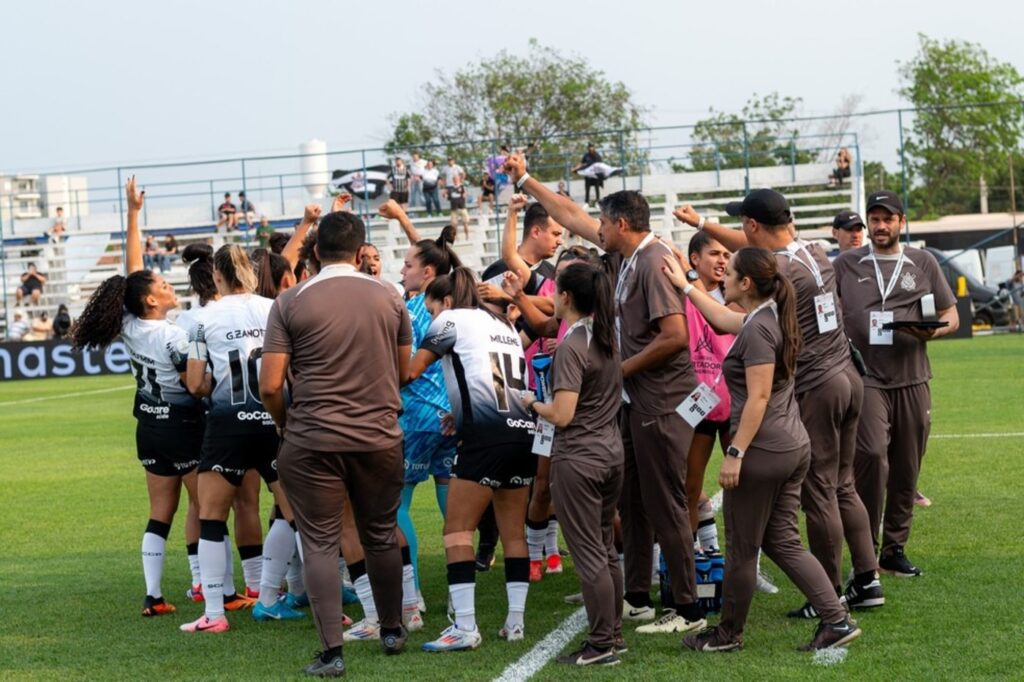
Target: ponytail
(199, 259)
(100, 322)
(438, 253)
(272, 269)
(235, 267)
(591, 293)
(763, 270)
(460, 285)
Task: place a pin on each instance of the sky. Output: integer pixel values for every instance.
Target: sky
(103, 82)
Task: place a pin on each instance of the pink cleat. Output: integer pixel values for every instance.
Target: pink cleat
(204, 624)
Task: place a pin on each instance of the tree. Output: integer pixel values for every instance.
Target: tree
(968, 119)
(877, 178)
(761, 136)
(557, 102)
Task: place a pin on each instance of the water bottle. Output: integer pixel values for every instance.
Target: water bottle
(541, 364)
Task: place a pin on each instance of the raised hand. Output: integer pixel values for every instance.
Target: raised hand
(515, 166)
(312, 213)
(391, 210)
(687, 214)
(135, 198)
(340, 202)
(512, 284)
(517, 202)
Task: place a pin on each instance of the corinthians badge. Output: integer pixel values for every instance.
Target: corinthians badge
(908, 282)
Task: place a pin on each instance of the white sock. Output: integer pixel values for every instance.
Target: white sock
(655, 561)
(252, 570)
(229, 570)
(193, 566)
(410, 600)
(296, 581)
(535, 541)
(298, 545)
(707, 535)
(463, 601)
(365, 593)
(278, 547)
(153, 562)
(516, 602)
(551, 542)
(213, 566)
(343, 571)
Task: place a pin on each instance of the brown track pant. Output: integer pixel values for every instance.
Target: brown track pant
(891, 441)
(585, 498)
(654, 501)
(316, 484)
(762, 512)
(830, 413)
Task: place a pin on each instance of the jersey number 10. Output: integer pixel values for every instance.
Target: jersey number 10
(245, 379)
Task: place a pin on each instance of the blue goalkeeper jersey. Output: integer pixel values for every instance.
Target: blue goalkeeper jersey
(426, 399)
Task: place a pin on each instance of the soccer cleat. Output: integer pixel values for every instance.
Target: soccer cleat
(711, 640)
(574, 598)
(326, 665)
(807, 611)
(620, 646)
(895, 562)
(204, 624)
(296, 601)
(412, 620)
(630, 612)
(237, 602)
(536, 571)
(669, 622)
(511, 633)
(195, 593)
(156, 606)
(455, 639)
(588, 655)
(484, 559)
(920, 500)
(251, 594)
(868, 596)
(765, 584)
(394, 642)
(362, 631)
(554, 565)
(278, 611)
(832, 635)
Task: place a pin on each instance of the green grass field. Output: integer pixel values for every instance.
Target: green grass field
(74, 507)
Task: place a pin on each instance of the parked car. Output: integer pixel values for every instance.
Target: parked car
(991, 307)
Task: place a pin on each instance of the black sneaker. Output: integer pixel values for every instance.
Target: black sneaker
(831, 635)
(894, 562)
(711, 640)
(484, 559)
(807, 612)
(326, 664)
(588, 655)
(868, 596)
(394, 642)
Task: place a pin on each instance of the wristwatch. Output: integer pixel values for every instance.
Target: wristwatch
(733, 451)
(692, 276)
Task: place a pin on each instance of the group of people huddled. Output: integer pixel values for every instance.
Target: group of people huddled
(586, 395)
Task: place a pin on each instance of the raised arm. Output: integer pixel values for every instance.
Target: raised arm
(291, 249)
(563, 210)
(734, 240)
(133, 248)
(392, 211)
(540, 322)
(718, 316)
(509, 251)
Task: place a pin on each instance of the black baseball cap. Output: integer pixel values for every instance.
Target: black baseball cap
(890, 201)
(847, 220)
(766, 206)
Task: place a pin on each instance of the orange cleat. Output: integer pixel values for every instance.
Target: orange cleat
(156, 606)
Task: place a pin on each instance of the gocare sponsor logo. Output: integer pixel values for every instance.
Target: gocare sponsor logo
(519, 424)
(156, 410)
(256, 416)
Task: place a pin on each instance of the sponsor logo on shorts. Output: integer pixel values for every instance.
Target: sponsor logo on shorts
(520, 424)
(227, 470)
(256, 416)
(156, 410)
(148, 462)
(191, 464)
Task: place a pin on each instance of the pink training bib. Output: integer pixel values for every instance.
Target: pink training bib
(707, 351)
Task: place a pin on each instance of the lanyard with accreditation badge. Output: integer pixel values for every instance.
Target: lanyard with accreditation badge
(698, 405)
(877, 336)
(825, 302)
(620, 293)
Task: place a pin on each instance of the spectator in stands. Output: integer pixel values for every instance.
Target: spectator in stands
(19, 327)
(228, 213)
(149, 252)
(452, 171)
(61, 322)
(168, 253)
(487, 192)
(457, 201)
(30, 252)
(263, 231)
(562, 191)
(430, 194)
(848, 230)
(398, 182)
(32, 282)
(416, 166)
(41, 329)
(246, 209)
(842, 169)
(589, 159)
(57, 230)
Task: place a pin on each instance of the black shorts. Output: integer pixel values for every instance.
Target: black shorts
(500, 466)
(713, 429)
(167, 450)
(400, 197)
(232, 457)
(484, 193)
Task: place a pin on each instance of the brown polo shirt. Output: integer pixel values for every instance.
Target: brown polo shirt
(760, 343)
(593, 434)
(342, 329)
(822, 355)
(644, 295)
(905, 362)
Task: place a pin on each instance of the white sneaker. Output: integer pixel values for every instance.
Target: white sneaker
(669, 622)
(765, 584)
(455, 639)
(575, 599)
(362, 631)
(511, 633)
(630, 612)
(412, 620)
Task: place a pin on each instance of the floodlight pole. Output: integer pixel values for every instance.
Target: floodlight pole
(903, 170)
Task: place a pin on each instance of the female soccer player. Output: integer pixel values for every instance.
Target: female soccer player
(485, 371)
(587, 454)
(240, 435)
(170, 421)
(765, 465)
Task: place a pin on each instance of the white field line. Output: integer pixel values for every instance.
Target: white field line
(66, 395)
(1005, 434)
(545, 650)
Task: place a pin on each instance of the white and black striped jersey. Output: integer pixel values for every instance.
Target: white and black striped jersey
(485, 374)
(232, 329)
(158, 352)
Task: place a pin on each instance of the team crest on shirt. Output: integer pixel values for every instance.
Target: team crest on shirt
(908, 282)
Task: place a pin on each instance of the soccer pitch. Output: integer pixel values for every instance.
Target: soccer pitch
(74, 507)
